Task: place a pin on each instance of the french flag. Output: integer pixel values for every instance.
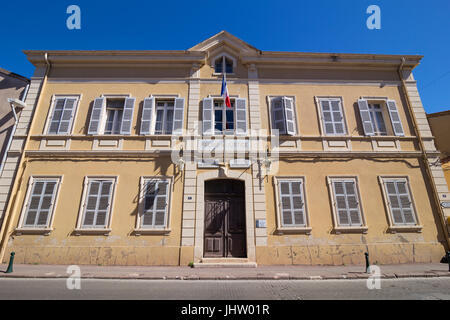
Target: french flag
(224, 92)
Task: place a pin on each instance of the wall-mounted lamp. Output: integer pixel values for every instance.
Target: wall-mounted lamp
(267, 162)
(180, 163)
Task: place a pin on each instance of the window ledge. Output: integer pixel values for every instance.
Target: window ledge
(43, 231)
(203, 165)
(78, 232)
(299, 230)
(138, 232)
(108, 136)
(412, 228)
(360, 229)
(221, 73)
(57, 136)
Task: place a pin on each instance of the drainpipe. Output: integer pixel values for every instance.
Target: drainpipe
(7, 215)
(429, 175)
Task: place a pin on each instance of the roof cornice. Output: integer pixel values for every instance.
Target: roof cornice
(266, 58)
(199, 53)
(108, 57)
(331, 59)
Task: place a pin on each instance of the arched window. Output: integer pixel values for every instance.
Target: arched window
(221, 63)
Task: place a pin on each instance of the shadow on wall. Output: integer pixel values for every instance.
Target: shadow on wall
(7, 83)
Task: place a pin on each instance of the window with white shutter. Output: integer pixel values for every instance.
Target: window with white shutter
(283, 115)
(332, 114)
(399, 201)
(62, 115)
(40, 202)
(97, 203)
(219, 119)
(162, 116)
(346, 202)
(112, 116)
(291, 203)
(380, 117)
(155, 197)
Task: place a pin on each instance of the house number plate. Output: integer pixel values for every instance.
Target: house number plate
(261, 223)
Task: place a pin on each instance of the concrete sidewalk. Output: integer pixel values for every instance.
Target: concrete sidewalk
(219, 273)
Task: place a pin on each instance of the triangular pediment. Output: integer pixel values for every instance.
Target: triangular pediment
(225, 41)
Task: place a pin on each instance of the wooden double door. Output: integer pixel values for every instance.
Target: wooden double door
(225, 234)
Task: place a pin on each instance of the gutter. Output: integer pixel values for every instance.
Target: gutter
(429, 175)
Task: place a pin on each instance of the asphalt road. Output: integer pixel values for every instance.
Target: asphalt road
(403, 289)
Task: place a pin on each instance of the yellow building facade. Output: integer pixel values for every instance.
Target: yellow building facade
(133, 158)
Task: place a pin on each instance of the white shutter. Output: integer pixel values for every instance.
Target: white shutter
(34, 203)
(285, 203)
(327, 120)
(395, 118)
(332, 117)
(399, 201)
(91, 203)
(365, 117)
(62, 116)
(207, 120)
(127, 118)
(97, 203)
(341, 203)
(353, 203)
(347, 203)
(96, 115)
(56, 115)
(67, 116)
(288, 105)
(291, 202)
(40, 204)
(161, 204)
(147, 112)
(241, 116)
(156, 194)
(104, 202)
(278, 117)
(178, 116)
(338, 117)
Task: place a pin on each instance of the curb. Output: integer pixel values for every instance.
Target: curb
(252, 278)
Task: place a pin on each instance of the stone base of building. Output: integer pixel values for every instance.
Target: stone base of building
(350, 254)
(379, 254)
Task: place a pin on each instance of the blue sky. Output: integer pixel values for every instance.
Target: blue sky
(407, 27)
